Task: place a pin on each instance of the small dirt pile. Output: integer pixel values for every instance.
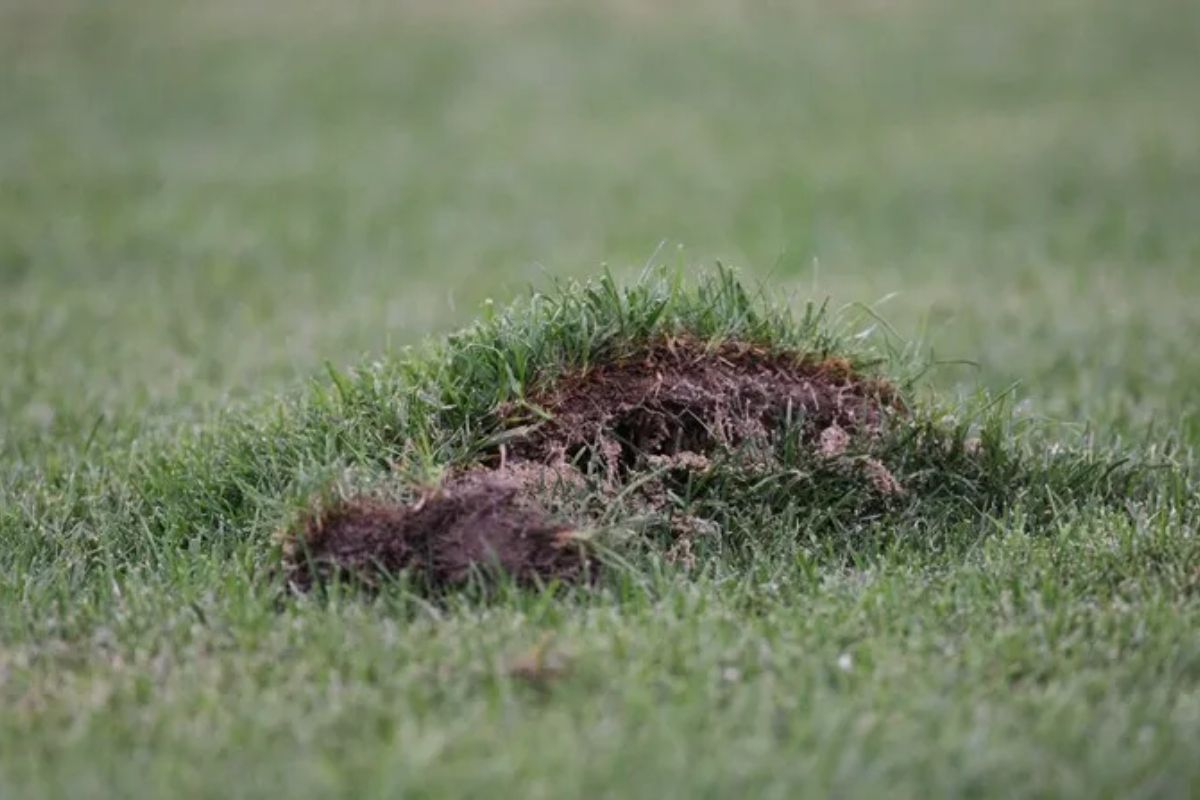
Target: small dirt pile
(480, 520)
(673, 405)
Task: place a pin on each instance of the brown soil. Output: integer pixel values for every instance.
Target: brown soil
(477, 521)
(683, 400)
(673, 405)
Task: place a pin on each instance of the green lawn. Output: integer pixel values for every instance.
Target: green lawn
(206, 208)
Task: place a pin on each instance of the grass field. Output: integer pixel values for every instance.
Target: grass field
(209, 209)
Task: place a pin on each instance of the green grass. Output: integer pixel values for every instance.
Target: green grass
(221, 224)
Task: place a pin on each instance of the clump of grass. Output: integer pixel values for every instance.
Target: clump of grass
(426, 409)
(408, 420)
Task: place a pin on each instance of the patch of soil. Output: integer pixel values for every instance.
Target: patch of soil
(682, 399)
(669, 407)
(479, 520)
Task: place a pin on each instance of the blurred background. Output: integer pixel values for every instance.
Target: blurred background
(201, 203)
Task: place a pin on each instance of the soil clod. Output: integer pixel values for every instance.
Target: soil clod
(683, 397)
(476, 522)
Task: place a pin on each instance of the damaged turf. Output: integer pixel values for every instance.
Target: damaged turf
(480, 521)
(684, 400)
(690, 423)
(614, 430)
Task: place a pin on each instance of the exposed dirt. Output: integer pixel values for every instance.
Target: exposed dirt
(682, 400)
(477, 521)
(673, 406)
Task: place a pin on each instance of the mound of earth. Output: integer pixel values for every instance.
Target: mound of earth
(673, 405)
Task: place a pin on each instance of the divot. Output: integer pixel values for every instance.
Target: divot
(477, 521)
(614, 433)
(680, 396)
